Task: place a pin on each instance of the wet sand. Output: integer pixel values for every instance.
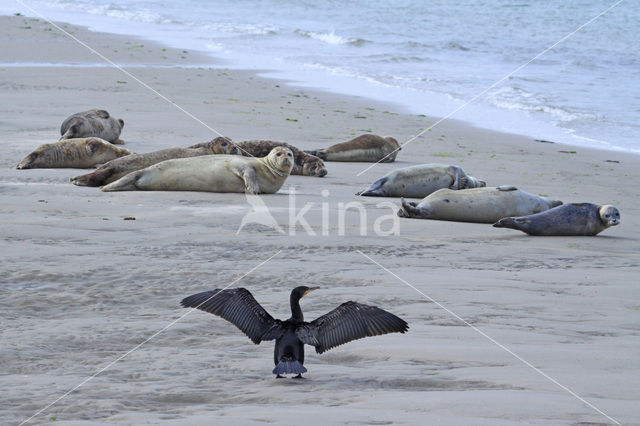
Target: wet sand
(82, 286)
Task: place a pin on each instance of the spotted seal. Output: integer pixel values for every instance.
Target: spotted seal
(115, 169)
(366, 148)
(305, 164)
(566, 220)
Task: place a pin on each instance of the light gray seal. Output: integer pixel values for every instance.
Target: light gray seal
(80, 153)
(95, 122)
(367, 148)
(420, 181)
(115, 169)
(567, 220)
(212, 173)
(484, 205)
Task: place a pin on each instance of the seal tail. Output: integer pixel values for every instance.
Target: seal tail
(68, 134)
(513, 223)
(318, 153)
(126, 183)
(289, 365)
(375, 189)
(507, 222)
(409, 210)
(97, 178)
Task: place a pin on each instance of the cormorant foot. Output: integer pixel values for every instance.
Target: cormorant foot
(279, 376)
(299, 376)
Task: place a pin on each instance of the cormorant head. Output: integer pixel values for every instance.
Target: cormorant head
(299, 292)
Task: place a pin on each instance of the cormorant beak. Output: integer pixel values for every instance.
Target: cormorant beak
(310, 290)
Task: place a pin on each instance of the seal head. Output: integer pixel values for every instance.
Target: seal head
(279, 161)
(220, 145)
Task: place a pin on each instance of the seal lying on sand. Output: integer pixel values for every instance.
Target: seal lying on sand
(212, 173)
(366, 148)
(81, 153)
(420, 181)
(565, 220)
(485, 205)
(305, 164)
(95, 122)
(115, 169)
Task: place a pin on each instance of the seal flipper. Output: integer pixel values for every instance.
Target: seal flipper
(513, 223)
(375, 189)
(248, 175)
(126, 183)
(460, 181)
(408, 209)
(102, 113)
(506, 188)
(97, 178)
(69, 133)
(118, 141)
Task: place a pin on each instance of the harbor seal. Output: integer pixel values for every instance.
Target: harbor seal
(115, 169)
(212, 173)
(365, 148)
(93, 123)
(305, 164)
(566, 220)
(484, 205)
(80, 153)
(420, 181)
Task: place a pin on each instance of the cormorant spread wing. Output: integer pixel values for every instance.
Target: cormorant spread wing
(347, 322)
(239, 307)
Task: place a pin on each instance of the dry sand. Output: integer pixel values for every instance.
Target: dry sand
(81, 286)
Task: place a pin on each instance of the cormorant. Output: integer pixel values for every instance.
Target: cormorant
(347, 322)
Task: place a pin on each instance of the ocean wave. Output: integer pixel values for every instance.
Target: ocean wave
(387, 58)
(111, 10)
(516, 98)
(215, 47)
(331, 38)
(452, 45)
(248, 29)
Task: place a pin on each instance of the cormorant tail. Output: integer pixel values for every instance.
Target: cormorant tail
(289, 365)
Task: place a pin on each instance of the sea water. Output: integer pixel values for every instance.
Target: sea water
(432, 57)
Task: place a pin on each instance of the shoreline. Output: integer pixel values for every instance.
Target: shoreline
(378, 92)
(82, 285)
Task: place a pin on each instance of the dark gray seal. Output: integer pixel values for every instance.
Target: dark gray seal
(566, 220)
(93, 123)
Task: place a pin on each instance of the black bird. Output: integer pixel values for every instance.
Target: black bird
(347, 322)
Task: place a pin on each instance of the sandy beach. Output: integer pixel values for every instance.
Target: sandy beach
(82, 286)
